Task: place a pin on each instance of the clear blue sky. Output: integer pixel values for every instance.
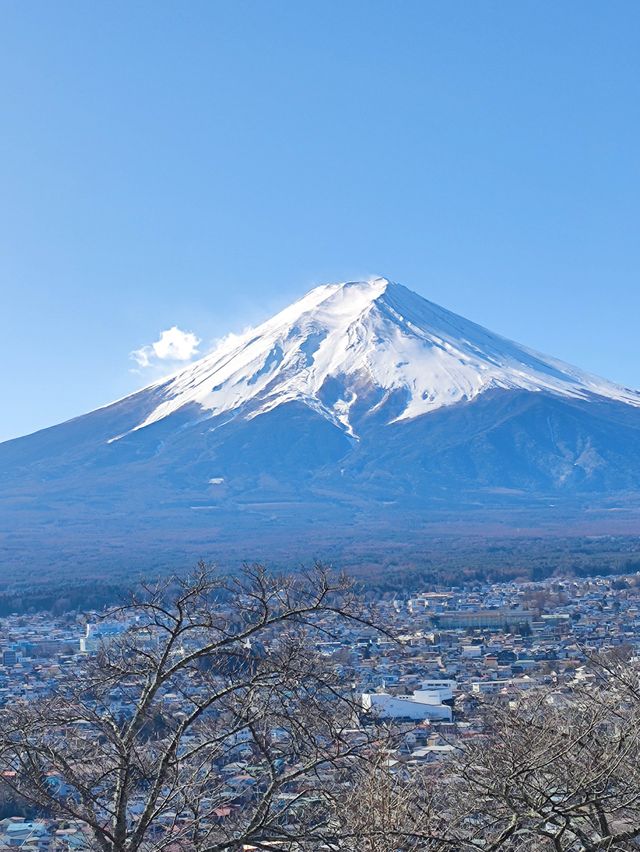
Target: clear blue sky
(201, 164)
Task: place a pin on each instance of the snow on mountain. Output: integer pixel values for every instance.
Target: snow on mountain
(366, 334)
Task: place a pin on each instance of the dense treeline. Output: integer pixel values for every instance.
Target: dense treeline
(444, 563)
(469, 563)
(57, 598)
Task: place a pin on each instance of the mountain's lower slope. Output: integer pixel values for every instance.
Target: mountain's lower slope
(287, 484)
(360, 414)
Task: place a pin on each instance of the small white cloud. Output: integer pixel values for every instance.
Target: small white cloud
(141, 356)
(172, 345)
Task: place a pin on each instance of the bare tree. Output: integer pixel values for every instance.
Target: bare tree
(395, 809)
(209, 723)
(556, 770)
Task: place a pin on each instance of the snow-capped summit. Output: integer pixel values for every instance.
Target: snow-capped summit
(360, 336)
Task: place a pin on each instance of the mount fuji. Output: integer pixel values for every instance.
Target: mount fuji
(362, 413)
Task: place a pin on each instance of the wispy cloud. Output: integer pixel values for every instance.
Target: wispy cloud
(174, 345)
